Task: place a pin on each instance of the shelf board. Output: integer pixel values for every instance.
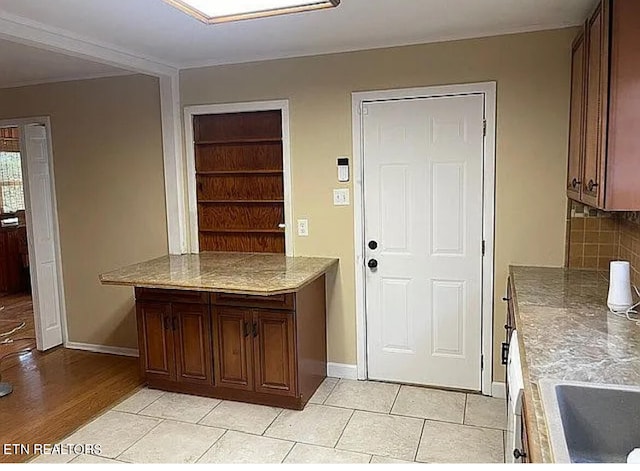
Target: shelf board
(243, 231)
(240, 201)
(239, 172)
(264, 140)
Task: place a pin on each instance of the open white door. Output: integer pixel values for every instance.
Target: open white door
(42, 235)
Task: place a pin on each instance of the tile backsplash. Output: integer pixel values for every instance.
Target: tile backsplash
(594, 238)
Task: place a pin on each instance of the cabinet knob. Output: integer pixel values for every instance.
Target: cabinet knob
(575, 182)
(591, 185)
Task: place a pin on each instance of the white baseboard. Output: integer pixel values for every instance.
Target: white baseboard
(90, 347)
(498, 390)
(341, 370)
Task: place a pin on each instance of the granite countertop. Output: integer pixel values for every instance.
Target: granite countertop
(566, 332)
(225, 272)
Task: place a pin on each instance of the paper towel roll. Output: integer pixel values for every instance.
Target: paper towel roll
(620, 298)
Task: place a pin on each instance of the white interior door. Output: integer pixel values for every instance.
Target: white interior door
(45, 278)
(423, 202)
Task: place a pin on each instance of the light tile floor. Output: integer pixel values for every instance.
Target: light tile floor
(345, 422)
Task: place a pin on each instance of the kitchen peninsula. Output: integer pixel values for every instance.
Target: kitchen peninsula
(238, 326)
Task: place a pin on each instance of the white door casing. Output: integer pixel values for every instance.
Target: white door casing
(423, 205)
(44, 255)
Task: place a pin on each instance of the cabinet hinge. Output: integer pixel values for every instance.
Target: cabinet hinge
(482, 362)
(484, 127)
(484, 247)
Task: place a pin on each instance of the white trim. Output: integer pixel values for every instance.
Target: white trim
(358, 98)
(22, 122)
(189, 113)
(67, 79)
(342, 370)
(174, 169)
(32, 33)
(91, 347)
(499, 390)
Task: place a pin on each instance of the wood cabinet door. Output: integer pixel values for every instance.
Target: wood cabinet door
(155, 338)
(191, 326)
(596, 107)
(274, 352)
(576, 128)
(232, 346)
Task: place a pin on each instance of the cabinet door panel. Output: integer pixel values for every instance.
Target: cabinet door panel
(155, 339)
(576, 129)
(596, 109)
(192, 332)
(232, 339)
(274, 353)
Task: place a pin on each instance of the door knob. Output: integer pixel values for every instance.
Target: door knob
(373, 263)
(517, 454)
(373, 244)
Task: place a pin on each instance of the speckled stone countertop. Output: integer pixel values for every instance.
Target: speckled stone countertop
(566, 332)
(239, 273)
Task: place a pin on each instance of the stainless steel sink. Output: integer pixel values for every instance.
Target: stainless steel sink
(591, 423)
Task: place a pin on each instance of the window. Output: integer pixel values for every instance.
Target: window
(11, 188)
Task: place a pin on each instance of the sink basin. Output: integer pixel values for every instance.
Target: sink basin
(591, 423)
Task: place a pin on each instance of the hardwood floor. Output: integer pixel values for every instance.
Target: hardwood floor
(56, 392)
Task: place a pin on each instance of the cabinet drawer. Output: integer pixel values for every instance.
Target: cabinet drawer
(172, 296)
(278, 301)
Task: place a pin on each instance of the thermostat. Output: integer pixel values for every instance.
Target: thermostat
(343, 169)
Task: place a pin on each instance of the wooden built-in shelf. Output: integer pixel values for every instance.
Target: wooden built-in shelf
(232, 142)
(240, 182)
(243, 231)
(238, 172)
(241, 201)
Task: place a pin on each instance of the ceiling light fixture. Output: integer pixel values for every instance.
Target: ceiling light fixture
(219, 11)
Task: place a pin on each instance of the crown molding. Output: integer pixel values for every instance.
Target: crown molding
(72, 78)
(32, 33)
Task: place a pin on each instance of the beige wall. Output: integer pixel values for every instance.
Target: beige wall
(533, 75)
(110, 189)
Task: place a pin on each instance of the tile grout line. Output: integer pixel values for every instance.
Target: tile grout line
(415, 455)
(343, 429)
(144, 435)
(212, 445)
(271, 423)
(333, 388)
(288, 452)
(395, 399)
(464, 410)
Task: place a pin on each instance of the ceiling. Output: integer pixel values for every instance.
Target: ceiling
(26, 65)
(154, 30)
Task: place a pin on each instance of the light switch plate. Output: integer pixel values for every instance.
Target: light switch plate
(303, 227)
(341, 197)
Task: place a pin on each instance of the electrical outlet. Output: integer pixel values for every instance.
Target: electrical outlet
(341, 197)
(303, 227)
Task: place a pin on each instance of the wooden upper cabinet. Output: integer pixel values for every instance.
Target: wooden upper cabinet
(192, 337)
(596, 97)
(611, 103)
(274, 353)
(576, 128)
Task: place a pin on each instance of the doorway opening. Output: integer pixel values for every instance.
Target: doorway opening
(31, 290)
(17, 327)
(424, 163)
